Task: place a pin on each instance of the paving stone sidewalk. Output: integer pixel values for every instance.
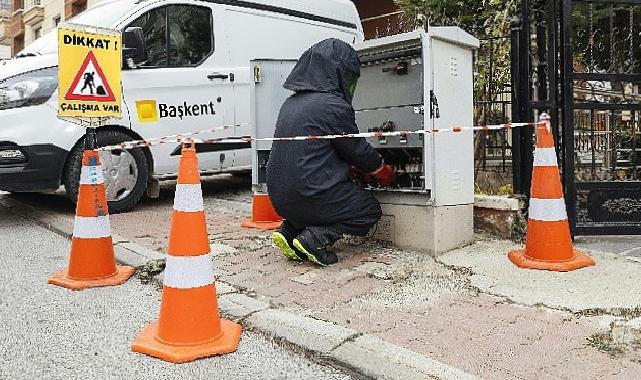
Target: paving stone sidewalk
(470, 308)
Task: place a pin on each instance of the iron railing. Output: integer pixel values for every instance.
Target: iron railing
(492, 105)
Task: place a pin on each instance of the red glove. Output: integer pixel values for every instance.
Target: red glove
(385, 175)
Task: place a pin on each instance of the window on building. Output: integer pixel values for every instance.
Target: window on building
(5, 5)
(17, 4)
(177, 35)
(17, 45)
(78, 7)
(56, 20)
(37, 32)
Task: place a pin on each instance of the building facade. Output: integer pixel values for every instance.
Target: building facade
(5, 21)
(24, 21)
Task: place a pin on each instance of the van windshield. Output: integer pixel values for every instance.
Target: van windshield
(104, 15)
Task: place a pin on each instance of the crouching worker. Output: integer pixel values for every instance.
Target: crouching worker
(309, 181)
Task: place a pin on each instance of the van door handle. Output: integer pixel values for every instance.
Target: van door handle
(217, 76)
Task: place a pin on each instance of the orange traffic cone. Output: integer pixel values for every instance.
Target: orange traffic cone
(91, 262)
(189, 326)
(548, 243)
(264, 217)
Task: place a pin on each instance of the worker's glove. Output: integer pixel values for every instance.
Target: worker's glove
(360, 176)
(384, 175)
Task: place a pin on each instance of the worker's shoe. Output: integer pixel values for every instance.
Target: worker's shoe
(283, 240)
(316, 253)
(287, 249)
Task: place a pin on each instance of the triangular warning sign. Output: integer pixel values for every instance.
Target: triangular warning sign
(90, 83)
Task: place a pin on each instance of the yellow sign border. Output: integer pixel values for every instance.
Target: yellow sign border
(75, 45)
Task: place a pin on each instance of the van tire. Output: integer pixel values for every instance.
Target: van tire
(71, 172)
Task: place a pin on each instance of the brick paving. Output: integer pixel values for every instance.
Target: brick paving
(406, 298)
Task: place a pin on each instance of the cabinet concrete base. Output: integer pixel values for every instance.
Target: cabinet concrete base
(411, 221)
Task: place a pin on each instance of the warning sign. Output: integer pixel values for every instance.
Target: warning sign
(89, 72)
(90, 83)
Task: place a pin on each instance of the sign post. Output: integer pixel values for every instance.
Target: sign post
(89, 95)
(89, 88)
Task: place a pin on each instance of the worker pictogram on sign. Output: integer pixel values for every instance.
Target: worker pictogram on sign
(90, 83)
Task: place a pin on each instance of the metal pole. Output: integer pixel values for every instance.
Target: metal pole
(526, 115)
(541, 42)
(568, 113)
(552, 11)
(516, 105)
(90, 139)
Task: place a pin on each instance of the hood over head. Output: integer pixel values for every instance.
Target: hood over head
(326, 67)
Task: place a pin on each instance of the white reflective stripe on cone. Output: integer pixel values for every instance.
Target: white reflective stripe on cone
(188, 198)
(187, 272)
(545, 157)
(91, 227)
(91, 175)
(547, 210)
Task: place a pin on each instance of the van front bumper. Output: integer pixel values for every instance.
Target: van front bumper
(30, 168)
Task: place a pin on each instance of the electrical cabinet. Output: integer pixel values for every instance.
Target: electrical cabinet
(409, 82)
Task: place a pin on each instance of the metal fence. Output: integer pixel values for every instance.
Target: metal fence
(492, 105)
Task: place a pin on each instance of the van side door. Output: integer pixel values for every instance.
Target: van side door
(183, 86)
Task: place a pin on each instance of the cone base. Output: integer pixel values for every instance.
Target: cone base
(580, 260)
(264, 226)
(146, 343)
(60, 279)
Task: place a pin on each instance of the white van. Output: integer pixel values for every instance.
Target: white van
(193, 73)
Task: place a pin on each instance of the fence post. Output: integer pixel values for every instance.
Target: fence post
(515, 57)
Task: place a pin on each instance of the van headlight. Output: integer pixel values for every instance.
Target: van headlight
(28, 89)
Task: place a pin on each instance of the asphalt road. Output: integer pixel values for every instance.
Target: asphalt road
(47, 332)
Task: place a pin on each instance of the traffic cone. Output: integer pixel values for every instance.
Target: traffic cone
(92, 261)
(548, 243)
(264, 217)
(189, 326)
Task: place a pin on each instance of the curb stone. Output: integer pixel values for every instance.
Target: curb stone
(366, 354)
(312, 334)
(377, 358)
(239, 305)
(144, 253)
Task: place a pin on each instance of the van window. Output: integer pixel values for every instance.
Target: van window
(154, 27)
(184, 31)
(190, 35)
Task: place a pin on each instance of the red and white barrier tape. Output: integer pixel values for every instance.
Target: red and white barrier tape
(186, 138)
(167, 139)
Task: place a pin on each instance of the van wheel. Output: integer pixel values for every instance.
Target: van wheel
(125, 172)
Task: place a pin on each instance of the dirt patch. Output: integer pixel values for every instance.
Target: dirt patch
(624, 313)
(604, 343)
(149, 270)
(618, 342)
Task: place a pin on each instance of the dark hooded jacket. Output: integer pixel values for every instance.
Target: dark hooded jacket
(321, 105)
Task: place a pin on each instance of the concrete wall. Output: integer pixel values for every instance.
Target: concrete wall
(411, 221)
(499, 216)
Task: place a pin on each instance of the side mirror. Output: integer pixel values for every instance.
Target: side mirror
(134, 50)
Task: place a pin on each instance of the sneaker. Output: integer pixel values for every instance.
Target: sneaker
(284, 245)
(317, 254)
